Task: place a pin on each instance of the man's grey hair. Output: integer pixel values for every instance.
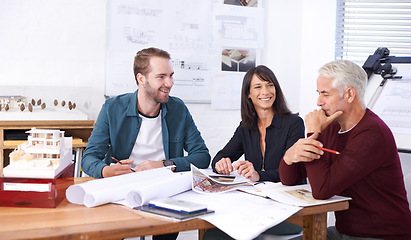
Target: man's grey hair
(346, 74)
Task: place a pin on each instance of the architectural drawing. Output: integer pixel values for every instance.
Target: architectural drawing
(393, 105)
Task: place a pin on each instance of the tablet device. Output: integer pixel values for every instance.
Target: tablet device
(177, 205)
(172, 215)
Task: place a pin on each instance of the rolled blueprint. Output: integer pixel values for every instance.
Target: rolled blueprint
(106, 190)
(172, 185)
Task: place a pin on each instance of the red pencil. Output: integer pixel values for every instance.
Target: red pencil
(121, 163)
(328, 150)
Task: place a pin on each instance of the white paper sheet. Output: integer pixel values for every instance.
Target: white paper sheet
(241, 215)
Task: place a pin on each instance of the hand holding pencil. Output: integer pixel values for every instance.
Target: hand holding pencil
(328, 150)
(122, 163)
(123, 167)
(306, 150)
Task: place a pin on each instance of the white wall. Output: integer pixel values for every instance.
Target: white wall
(283, 42)
(62, 43)
(54, 43)
(318, 39)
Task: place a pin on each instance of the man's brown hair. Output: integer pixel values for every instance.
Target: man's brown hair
(142, 60)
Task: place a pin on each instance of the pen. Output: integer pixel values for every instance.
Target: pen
(328, 150)
(122, 163)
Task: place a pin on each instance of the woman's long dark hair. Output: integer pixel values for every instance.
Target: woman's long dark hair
(248, 113)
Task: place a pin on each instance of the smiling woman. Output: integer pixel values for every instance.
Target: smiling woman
(262, 94)
(267, 130)
(262, 76)
(267, 120)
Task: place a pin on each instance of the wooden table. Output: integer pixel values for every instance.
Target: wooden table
(314, 219)
(112, 221)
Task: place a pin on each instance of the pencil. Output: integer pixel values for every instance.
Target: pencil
(328, 150)
(121, 163)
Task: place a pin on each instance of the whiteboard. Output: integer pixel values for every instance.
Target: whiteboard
(209, 42)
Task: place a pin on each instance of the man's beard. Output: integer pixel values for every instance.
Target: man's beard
(155, 95)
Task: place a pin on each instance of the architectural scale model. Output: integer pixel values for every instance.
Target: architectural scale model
(18, 108)
(13, 102)
(45, 154)
(19, 102)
